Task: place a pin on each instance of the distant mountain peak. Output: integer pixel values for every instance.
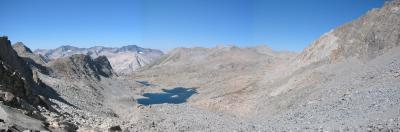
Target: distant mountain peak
(68, 46)
(22, 46)
(132, 48)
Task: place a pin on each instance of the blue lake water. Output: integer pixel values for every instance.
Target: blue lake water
(172, 96)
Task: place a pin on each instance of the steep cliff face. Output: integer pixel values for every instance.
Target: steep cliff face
(14, 65)
(81, 66)
(18, 89)
(124, 60)
(365, 38)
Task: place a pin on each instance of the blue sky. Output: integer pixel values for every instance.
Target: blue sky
(166, 24)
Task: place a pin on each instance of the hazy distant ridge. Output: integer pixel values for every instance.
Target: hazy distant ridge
(124, 59)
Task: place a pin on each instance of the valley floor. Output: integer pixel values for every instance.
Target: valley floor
(360, 97)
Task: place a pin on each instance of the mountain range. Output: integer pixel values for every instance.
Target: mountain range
(124, 60)
(347, 80)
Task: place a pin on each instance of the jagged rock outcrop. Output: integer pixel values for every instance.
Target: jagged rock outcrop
(123, 60)
(80, 66)
(21, 68)
(365, 38)
(35, 61)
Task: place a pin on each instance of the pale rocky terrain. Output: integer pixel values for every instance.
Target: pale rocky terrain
(348, 80)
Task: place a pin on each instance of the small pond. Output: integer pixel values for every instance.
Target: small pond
(145, 83)
(171, 96)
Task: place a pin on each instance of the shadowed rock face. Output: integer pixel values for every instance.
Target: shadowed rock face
(103, 66)
(123, 60)
(18, 89)
(11, 81)
(15, 68)
(82, 66)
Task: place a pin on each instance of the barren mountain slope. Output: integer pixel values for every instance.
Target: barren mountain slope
(365, 38)
(346, 79)
(351, 94)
